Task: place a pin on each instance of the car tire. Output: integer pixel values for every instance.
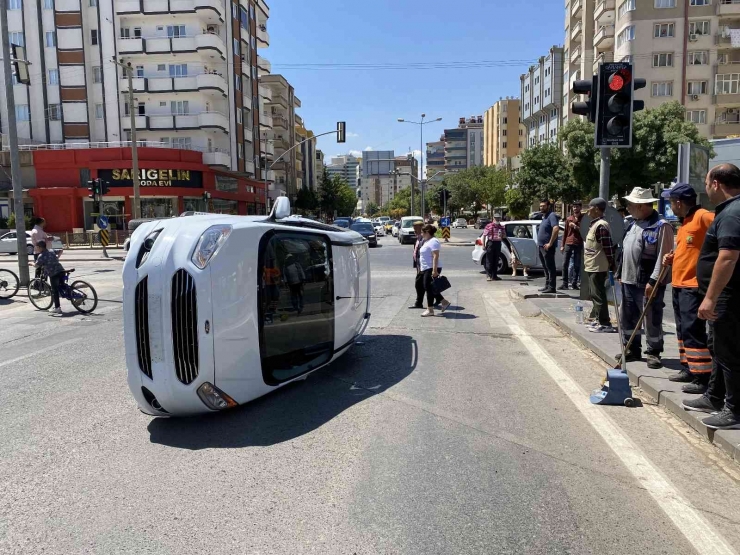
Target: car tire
(503, 264)
(29, 250)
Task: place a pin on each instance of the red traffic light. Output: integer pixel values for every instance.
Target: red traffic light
(618, 80)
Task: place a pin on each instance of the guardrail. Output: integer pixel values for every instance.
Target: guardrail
(91, 239)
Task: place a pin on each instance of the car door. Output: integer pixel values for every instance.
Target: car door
(521, 239)
(559, 256)
(8, 242)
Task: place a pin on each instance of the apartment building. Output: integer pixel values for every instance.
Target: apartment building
(382, 175)
(503, 134)
(319, 166)
(541, 104)
(346, 167)
(308, 150)
(435, 159)
(578, 49)
(464, 145)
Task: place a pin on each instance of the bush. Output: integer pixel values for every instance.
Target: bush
(27, 219)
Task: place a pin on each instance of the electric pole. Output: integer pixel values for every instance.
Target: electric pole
(15, 163)
(129, 70)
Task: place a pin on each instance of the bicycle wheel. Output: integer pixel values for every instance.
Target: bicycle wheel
(39, 293)
(83, 296)
(9, 284)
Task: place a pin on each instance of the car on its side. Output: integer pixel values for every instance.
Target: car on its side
(406, 231)
(460, 223)
(367, 230)
(9, 243)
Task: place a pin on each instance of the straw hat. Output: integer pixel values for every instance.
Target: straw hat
(640, 196)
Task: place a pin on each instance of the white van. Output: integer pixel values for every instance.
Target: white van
(406, 231)
(220, 310)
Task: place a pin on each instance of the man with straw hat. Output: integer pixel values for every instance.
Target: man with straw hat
(647, 240)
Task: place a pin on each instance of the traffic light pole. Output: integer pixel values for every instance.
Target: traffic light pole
(604, 175)
(100, 212)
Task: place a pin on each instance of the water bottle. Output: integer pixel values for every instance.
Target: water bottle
(579, 312)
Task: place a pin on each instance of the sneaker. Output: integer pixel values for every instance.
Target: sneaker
(444, 305)
(575, 286)
(598, 328)
(590, 321)
(563, 287)
(723, 420)
(489, 278)
(698, 386)
(654, 362)
(701, 404)
(542, 289)
(526, 274)
(55, 312)
(631, 357)
(684, 376)
(413, 306)
(427, 313)
(496, 279)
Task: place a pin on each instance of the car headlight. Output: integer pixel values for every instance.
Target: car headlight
(214, 398)
(209, 244)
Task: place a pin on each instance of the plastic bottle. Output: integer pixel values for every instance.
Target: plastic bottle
(579, 312)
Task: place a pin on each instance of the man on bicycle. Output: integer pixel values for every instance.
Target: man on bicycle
(49, 262)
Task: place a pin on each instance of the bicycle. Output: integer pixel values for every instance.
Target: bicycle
(81, 294)
(9, 284)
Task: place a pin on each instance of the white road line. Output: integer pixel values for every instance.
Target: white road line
(697, 530)
(50, 348)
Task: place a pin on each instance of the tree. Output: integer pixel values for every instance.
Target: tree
(306, 200)
(372, 209)
(398, 213)
(347, 200)
(582, 155)
(402, 201)
(491, 186)
(517, 204)
(330, 193)
(545, 174)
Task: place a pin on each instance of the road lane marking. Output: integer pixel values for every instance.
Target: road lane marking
(695, 528)
(50, 348)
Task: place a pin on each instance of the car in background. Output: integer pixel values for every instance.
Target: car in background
(344, 223)
(522, 236)
(406, 231)
(481, 223)
(9, 243)
(388, 226)
(384, 219)
(460, 223)
(379, 228)
(367, 230)
(396, 228)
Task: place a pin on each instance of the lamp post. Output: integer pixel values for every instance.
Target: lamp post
(421, 182)
(421, 125)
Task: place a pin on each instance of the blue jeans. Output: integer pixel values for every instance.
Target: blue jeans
(573, 253)
(633, 301)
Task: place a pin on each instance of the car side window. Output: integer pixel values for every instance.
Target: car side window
(518, 231)
(10, 236)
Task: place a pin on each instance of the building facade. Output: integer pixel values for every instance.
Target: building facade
(435, 159)
(541, 101)
(382, 175)
(578, 49)
(464, 145)
(346, 167)
(502, 132)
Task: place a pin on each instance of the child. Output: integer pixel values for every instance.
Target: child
(49, 262)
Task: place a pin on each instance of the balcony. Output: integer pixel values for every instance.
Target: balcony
(204, 120)
(724, 128)
(266, 120)
(279, 99)
(727, 99)
(264, 65)
(131, 46)
(140, 122)
(217, 158)
(205, 82)
(263, 38)
(280, 122)
(728, 65)
(268, 148)
(281, 143)
(604, 13)
(604, 38)
(298, 120)
(576, 32)
(265, 93)
(728, 7)
(575, 55)
(576, 8)
(604, 57)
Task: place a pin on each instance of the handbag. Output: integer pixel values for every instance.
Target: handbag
(440, 284)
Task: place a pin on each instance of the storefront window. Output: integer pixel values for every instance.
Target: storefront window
(195, 205)
(158, 207)
(221, 206)
(226, 184)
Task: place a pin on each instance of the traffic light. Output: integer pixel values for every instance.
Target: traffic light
(587, 108)
(616, 105)
(93, 187)
(103, 186)
(341, 132)
(444, 196)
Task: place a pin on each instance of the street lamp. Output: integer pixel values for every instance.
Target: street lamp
(421, 125)
(422, 182)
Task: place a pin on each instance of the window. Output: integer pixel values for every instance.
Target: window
(53, 77)
(663, 88)
(664, 30)
(627, 34)
(14, 4)
(94, 36)
(178, 70)
(696, 116)
(238, 82)
(726, 83)
(98, 111)
(137, 32)
(244, 18)
(697, 87)
(22, 112)
(251, 11)
(700, 58)
(699, 27)
(665, 3)
(626, 6)
(235, 11)
(17, 38)
(175, 31)
(239, 119)
(97, 74)
(125, 33)
(142, 108)
(236, 46)
(48, 4)
(93, 3)
(663, 60)
(179, 107)
(55, 112)
(139, 71)
(700, 2)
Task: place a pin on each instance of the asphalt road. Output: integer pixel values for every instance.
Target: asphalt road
(464, 433)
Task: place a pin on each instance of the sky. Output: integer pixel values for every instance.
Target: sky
(370, 63)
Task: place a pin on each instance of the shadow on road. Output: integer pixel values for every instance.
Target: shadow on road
(301, 407)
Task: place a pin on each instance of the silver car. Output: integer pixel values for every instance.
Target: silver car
(522, 235)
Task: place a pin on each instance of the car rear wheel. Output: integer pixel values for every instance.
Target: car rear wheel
(29, 250)
(503, 265)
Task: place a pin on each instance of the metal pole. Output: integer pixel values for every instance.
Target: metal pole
(15, 163)
(421, 167)
(100, 212)
(134, 147)
(411, 161)
(604, 176)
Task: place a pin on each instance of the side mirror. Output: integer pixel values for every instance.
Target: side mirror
(281, 210)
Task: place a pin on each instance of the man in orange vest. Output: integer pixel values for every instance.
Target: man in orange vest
(691, 331)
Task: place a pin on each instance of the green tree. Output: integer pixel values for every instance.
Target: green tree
(491, 186)
(347, 200)
(402, 200)
(583, 157)
(545, 173)
(330, 191)
(517, 204)
(372, 209)
(306, 200)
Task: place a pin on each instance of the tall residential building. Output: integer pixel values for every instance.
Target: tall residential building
(435, 159)
(345, 167)
(578, 50)
(319, 166)
(541, 100)
(464, 144)
(278, 123)
(502, 132)
(308, 150)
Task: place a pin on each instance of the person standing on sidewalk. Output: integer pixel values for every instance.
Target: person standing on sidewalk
(493, 234)
(718, 275)
(430, 264)
(598, 259)
(646, 242)
(691, 331)
(547, 241)
(573, 248)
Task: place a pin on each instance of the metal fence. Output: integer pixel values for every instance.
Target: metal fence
(91, 239)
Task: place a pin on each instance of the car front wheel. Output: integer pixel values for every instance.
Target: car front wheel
(503, 265)
(29, 250)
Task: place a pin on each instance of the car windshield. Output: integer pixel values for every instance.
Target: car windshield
(460, 221)
(362, 228)
(409, 223)
(341, 223)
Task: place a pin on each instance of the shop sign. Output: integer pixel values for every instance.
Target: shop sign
(153, 178)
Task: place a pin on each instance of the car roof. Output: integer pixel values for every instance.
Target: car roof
(408, 218)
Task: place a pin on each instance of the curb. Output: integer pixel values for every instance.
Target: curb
(528, 296)
(665, 393)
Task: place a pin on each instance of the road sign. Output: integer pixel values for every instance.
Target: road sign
(444, 222)
(103, 222)
(445, 233)
(104, 237)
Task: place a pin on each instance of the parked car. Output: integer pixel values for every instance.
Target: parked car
(367, 231)
(343, 222)
(406, 231)
(379, 228)
(396, 228)
(9, 244)
(460, 223)
(522, 235)
(481, 223)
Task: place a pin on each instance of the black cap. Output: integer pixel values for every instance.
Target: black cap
(599, 203)
(679, 191)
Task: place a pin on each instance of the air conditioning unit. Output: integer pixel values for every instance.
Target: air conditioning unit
(693, 38)
(732, 111)
(694, 97)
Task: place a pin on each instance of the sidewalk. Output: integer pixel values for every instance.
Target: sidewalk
(653, 382)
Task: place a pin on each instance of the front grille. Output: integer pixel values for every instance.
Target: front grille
(185, 326)
(141, 312)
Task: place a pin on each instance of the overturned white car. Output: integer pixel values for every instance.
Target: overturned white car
(220, 310)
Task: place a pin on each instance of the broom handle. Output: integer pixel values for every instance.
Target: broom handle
(654, 292)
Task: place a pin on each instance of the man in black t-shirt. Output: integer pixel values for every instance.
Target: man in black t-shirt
(718, 274)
